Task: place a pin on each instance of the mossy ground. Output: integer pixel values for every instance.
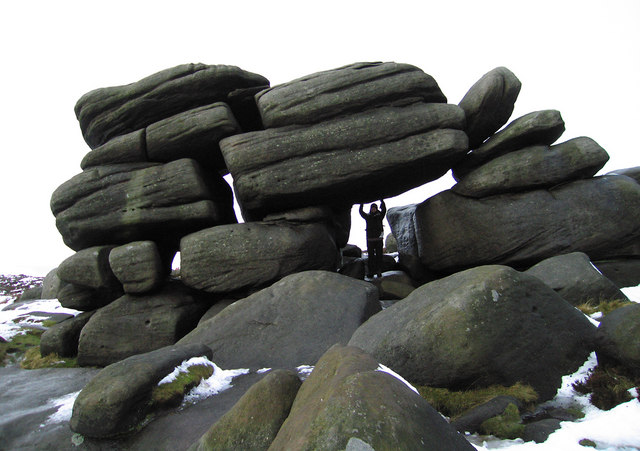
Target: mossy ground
(608, 386)
(455, 403)
(25, 350)
(508, 425)
(171, 394)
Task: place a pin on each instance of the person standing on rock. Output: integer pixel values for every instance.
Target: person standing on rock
(375, 231)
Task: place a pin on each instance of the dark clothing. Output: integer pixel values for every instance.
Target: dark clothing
(375, 231)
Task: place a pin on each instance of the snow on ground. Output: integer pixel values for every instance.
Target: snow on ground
(13, 321)
(633, 293)
(65, 408)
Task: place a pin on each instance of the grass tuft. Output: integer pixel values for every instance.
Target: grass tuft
(606, 307)
(506, 425)
(171, 394)
(608, 387)
(33, 360)
(455, 403)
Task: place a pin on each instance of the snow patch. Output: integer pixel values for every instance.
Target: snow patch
(632, 293)
(263, 370)
(495, 295)
(388, 370)
(12, 321)
(304, 371)
(64, 405)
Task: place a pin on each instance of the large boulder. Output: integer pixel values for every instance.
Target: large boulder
(353, 88)
(62, 338)
(489, 104)
(574, 277)
(624, 272)
(345, 399)
(634, 173)
(122, 203)
(85, 299)
(484, 326)
(353, 159)
(89, 268)
(108, 112)
(138, 266)
(252, 255)
(402, 223)
(116, 401)
(51, 285)
(293, 322)
(597, 216)
(138, 324)
(253, 422)
(534, 167)
(192, 134)
(618, 338)
(539, 128)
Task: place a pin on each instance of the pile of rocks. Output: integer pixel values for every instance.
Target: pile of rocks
(265, 293)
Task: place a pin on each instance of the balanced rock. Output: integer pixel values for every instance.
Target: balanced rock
(388, 414)
(534, 167)
(108, 112)
(597, 216)
(89, 268)
(122, 203)
(192, 134)
(575, 278)
(489, 104)
(353, 159)
(62, 338)
(537, 128)
(253, 422)
(138, 266)
(116, 401)
(484, 326)
(138, 324)
(252, 255)
(353, 88)
(618, 338)
(293, 322)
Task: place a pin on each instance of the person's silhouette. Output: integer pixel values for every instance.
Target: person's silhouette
(375, 231)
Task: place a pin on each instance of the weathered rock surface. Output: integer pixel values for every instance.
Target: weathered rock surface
(137, 324)
(618, 338)
(634, 173)
(487, 325)
(489, 104)
(402, 223)
(624, 272)
(353, 88)
(533, 129)
(51, 285)
(574, 277)
(89, 268)
(598, 216)
(471, 420)
(232, 257)
(192, 134)
(293, 322)
(62, 338)
(394, 285)
(385, 152)
(389, 414)
(534, 167)
(123, 203)
(254, 421)
(116, 400)
(108, 112)
(138, 266)
(85, 299)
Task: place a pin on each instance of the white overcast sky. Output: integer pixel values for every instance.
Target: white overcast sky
(579, 57)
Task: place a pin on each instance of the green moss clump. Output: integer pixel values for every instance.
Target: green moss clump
(171, 394)
(506, 426)
(455, 403)
(15, 348)
(606, 307)
(34, 360)
(608, 387)
(587, 442)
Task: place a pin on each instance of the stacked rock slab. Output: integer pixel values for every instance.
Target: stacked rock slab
(350, 135)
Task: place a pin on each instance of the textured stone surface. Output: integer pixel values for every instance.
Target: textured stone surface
(348, 89)
(123, 203)
(254, 421)
(389, 415)
(138, 324)
(534, 167)
(291, 323)
(634, 173)
(51, 285)
(537, 128)
(575, 278)
(85, 299)
(618, 338)
(232, 257)
(489, 104)
(138, 266)
(402, 223)
(88, 267)
(386, 151)
(116, 400)
(62, 338)
(598, 216)
(484, 326)
(624, 272)
(108, 112)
